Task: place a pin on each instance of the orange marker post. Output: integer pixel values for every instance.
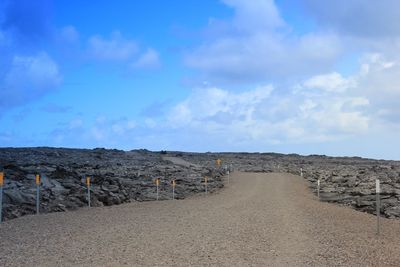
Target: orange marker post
(1, 195)
(88, 188)
(218, 162)
(37, 180)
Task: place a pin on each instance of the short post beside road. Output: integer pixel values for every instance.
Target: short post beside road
(301, 172)
(378, 206)
(173, 182)
(318, 187)
(229, 176)
(205, 184)
(218, 162)
(157, 181)
(37, 180)
(1, 195)
(88, 189)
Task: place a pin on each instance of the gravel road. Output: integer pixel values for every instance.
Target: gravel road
(256, 220)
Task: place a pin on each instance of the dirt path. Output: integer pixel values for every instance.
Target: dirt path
(258, 220)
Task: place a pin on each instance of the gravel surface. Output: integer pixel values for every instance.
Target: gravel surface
(257, 220)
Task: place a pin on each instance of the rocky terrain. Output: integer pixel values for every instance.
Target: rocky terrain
(116, 177)
(259, 219)
(345, 180)
(125, 176)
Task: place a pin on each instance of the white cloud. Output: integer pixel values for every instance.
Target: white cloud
(69, 34)
(257, 45)
(148, 60)
(339, 108)
(29, 77)
(255, 15)
(216, 105)
(332, 82)
(115, 48)
(366, 18)
(266, 116)
(336, 110)
(124, 51)
(123, 126)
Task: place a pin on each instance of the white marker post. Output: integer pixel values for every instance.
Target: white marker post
(318, 187)
(173, 182)
(1, 195)
(205, 183)
(88, 189)
(37, 180)
(229, 176)
(157, 184)
(378, 206)
(301, 172)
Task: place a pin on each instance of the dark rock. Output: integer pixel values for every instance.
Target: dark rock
(118, 176)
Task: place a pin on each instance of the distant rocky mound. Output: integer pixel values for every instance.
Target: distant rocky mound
(125, 176)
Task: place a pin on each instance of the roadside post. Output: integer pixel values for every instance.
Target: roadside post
(301, 172)
(218, 162)
(378, 206)
(173, 182)
(318, 187)
(37, 180)
(229, 174)
(205, 184)
(1, 195)
(88, 189)
(157, 181)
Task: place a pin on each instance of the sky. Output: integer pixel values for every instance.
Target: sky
(305, 76)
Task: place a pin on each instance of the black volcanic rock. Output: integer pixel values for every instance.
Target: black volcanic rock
(345, 180)
(124, 176)
(116, 177)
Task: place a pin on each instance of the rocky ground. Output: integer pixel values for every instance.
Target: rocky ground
(345, 180)
(126, 176)
(116, 177)
(257, 219)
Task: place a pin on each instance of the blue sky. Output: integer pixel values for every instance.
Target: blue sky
(307, 76)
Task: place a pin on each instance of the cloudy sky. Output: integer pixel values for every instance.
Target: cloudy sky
(306, 76)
